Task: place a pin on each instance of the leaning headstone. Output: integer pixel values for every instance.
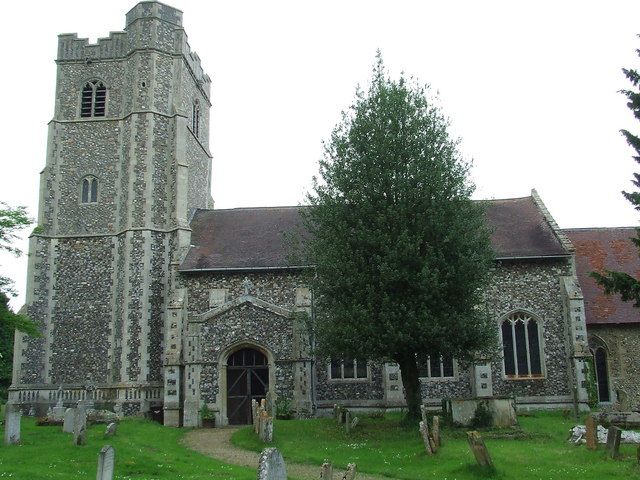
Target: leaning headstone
(69, 417)
(435, 431)
(106, 461)
(479, 449)
(347, 422)
(271, 465)
(613, 441)
(80, 425)
(12, 415)
(326, 471)
(591, 433)
(111, 430)
(423, 412)
(350, 474)
(424, 430)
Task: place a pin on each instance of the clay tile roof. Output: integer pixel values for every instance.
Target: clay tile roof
(599, 249)
(254, 238)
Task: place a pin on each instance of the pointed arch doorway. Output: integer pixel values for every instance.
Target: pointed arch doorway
(247, 379)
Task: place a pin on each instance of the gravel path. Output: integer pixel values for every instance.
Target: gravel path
(216, 443)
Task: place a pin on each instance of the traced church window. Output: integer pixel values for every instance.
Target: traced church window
(195, 119)
(94, 99)
(89, 191)
(436, 366)
(521, 346)
(348, 369)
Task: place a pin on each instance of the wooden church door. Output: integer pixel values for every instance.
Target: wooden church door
(247, 379)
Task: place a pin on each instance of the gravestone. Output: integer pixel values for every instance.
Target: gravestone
(613, 441)
(12, 414)
(350, 474)
(336, 413)
(32, 411)
(270, 402)
(254, 413)
(424, 431)
(423, 412)
(69, 416)
(80, 425)
(326, 471)
(111, 430)
(271, 465)
(117, 409)
(479, 449)
(106, 462)
(347, 422)
(436, 431)
(591, 432)
(266, 428)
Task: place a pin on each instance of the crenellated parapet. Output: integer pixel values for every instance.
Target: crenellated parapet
(70, 47)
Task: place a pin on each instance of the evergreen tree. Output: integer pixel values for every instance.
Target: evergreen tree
(402, 252)
(619, 282)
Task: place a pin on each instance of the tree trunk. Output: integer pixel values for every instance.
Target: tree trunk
(411, 382)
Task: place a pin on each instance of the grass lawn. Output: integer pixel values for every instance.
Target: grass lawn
(382, 446)
(144, 450)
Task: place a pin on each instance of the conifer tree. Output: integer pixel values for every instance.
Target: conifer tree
(619, 282)
(402, 252)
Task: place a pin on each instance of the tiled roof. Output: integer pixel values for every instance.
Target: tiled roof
(255, 238)
(599, 249)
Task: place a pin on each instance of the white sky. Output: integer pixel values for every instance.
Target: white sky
(530, 87)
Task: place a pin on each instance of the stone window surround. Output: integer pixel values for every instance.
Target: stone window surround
(595, 343)
(541, 341)
(195, 118)
(106, 100)
(90, 177)
(343, 380)
(442, 379)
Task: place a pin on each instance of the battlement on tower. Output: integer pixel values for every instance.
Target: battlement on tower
(150, 25)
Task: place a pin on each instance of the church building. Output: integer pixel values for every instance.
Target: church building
(149, 298)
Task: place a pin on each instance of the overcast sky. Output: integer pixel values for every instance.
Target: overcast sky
(530, 87)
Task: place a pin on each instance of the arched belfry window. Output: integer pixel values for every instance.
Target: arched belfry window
(89, 190)
(521, 346)
(94, 99)
(195, 119)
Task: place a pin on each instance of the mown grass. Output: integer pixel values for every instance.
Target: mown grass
(143, 450)
(384, 447)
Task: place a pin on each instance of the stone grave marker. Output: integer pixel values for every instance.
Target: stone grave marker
(32, 411)
(266, 428)
(436, 431)
(106, 463)
(326, 471)
(270, 402)
(271, 465)
(423, 412)
(337, 415)
(12, 414)
(613, 441)
(111, 430)
(354, 422)
(80, 425)
(254, 413)
(117, 409)
(350, 474)
(69, 416)
(591, 432)
(479, 449)
(424, 431)
(347, 422)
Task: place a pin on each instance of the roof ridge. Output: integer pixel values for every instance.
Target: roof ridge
(599, 228)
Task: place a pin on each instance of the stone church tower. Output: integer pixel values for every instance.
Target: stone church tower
(127, 164)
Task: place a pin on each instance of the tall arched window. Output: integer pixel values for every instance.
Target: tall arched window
(89, 190)
(602, 373)
(521, 346)
(195, 119)
(94, 99)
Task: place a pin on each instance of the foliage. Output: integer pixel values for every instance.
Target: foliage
(590, 380)
(283, 408)
(382, 447)
(402, 252)
(619, 282)
(144, 450)
(206, 413)
(482, 417)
